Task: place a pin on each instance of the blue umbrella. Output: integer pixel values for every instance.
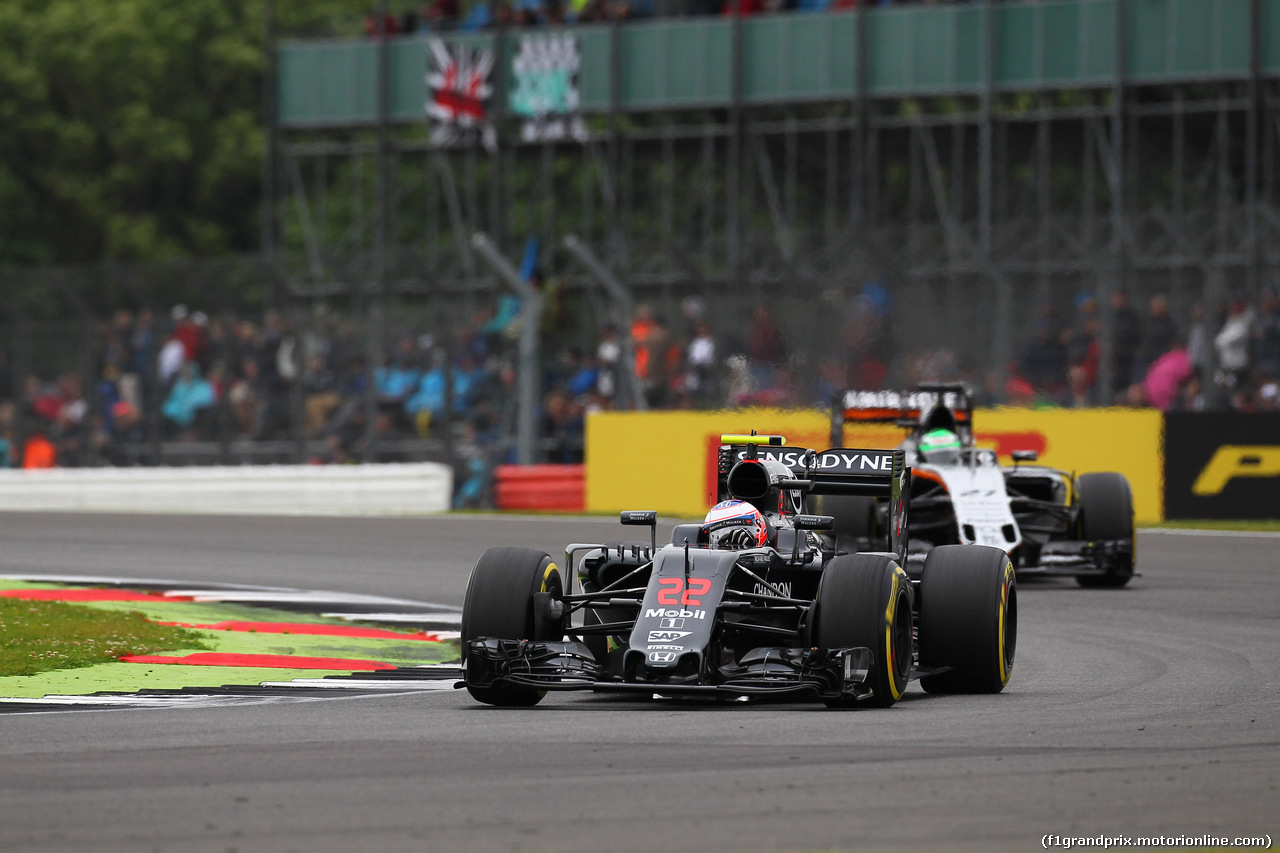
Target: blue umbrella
(530, 262)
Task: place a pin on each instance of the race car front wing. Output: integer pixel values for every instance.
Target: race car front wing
(1077, 558)
(764, 672)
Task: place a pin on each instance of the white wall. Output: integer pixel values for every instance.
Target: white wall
(247, 490)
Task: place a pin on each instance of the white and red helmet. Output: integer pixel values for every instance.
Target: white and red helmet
(735, 524)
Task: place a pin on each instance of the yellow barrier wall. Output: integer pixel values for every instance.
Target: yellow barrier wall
(665, 460)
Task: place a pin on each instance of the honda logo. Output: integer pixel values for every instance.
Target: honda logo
(662, 657)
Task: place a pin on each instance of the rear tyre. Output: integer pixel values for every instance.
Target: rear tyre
(865, 600)
(857, 522)
(499, 603)
(1106, 514)
(968, 619)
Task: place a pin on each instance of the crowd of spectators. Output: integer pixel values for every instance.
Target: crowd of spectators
(1225, 358)
(450, 14)
(184, 377)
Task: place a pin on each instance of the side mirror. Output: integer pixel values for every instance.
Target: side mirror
(645, 518)
(1025, 456)
(803, 485)
(809, 522)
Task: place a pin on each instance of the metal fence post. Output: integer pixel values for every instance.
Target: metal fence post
(1002, 351)
(271, 153)
(733, 221)
(1251, 149)
(375, 307)
(628, 388)
(530, 366)
(1115, 282)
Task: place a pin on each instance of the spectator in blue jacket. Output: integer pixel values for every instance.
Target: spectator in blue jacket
(190, 395)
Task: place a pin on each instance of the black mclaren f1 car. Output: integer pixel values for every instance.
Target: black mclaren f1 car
(783, 615)
(1050, 522)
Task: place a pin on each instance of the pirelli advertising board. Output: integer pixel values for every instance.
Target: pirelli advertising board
(1222, 465)
(665, 461)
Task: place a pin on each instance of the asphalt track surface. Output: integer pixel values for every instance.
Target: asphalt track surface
(1151, 710)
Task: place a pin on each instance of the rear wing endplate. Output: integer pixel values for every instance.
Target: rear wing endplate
(904, 408)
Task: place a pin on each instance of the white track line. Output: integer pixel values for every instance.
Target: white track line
(1180, 531)
(114, 580)
(416, 618)
(401, 684)
(236, 592)
(298, 596)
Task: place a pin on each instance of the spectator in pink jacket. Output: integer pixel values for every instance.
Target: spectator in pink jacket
(1166, 377)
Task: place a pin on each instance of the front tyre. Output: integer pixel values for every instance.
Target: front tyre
(865, 600)
(1106, 515)
(500, 603)
(968, 619)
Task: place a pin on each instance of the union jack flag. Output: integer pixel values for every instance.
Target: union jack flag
(458, 91)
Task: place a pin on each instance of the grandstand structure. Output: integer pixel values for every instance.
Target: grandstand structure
(987, 158)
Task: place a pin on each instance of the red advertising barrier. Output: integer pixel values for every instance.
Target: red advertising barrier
(547, 487)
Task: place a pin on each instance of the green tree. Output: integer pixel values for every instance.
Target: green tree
(131, 129)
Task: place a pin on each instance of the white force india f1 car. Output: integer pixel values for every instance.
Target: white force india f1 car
(755, 601)
(1050, 522)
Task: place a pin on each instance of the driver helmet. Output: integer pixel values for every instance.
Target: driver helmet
(735, 526)
(940, 447)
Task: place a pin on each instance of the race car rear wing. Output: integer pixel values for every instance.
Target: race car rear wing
(907, 409)
(838, 471)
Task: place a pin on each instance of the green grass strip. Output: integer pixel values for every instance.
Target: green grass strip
(133, 677)
(40, 636)
(397, 652)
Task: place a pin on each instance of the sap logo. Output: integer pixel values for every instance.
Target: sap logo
(784, 587)
(1237, 460)
(658, 613)
(672, 623)
(665, 646)
(666, 636)
(662, 657)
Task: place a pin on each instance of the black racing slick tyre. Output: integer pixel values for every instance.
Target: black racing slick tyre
(968, 619)
(500, 603)
(857, 523)
(865, 600)
(1106, 515)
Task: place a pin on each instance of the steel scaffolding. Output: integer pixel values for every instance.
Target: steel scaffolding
(981, 210)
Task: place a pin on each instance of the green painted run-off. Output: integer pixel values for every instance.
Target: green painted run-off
(133, 677)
